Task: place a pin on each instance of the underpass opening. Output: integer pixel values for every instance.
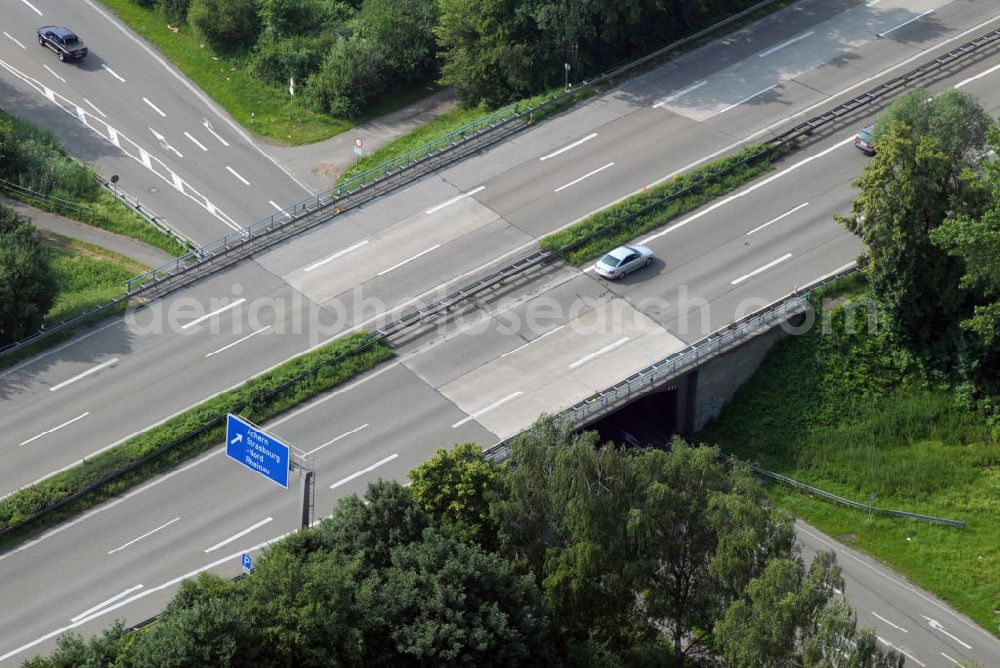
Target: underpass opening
(650, 420)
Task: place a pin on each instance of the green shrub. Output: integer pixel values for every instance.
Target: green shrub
(634, 215)
(229, 26)
(258, 399)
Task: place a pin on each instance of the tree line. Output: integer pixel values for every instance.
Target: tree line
(569, 554)
(928, 211)
(27, 281)
(347, 55)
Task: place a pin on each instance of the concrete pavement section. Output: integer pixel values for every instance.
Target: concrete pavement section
(53, 222)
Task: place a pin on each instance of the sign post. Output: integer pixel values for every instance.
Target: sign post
(247, 562)
(261, 452)
(257, 450)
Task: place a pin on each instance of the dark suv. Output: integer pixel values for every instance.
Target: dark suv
(63, 41)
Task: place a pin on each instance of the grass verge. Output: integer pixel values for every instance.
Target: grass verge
(112, 215)
(190, 433)
(277, 116)
(37, 171)
(87, 276)
(621, 222)
(850, 412)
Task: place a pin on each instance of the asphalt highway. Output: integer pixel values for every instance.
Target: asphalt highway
(83, 397)
(485, 374)
(124, 109)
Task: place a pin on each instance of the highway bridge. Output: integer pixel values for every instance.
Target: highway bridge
(536, 345)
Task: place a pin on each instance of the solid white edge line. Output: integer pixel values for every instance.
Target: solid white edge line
(145, 535)
(747, 99)
(230, 305)
(196, 142)
(484, 411)
(787, 42)
(435, 209)
(900, 628)
(239, 535)
(597, 353)
(585, 176)
(774, 220)
(237, 175)
(514, 251)
(534, 340)
(566, 148)
(978, 76)
(86, 373)
(104, 604)
(363, 471)
(761, 270)
(237, 342)
(154, 107)
(837, 547)
(905, 23)
(49, 431)
(334, 440)
(339, 253)
(266, 543)
(397, 266)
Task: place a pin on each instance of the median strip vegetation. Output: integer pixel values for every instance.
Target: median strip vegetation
(186, 435)
(637, 214)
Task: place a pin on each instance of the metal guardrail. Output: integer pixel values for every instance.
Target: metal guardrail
(364, 182)
(674, 365)
(185, 438)
(147, 214)
(671, 367)
(63, 204)
(809, 489)
(340, 194)
(341, 198)
(215, 250)
(890, 86)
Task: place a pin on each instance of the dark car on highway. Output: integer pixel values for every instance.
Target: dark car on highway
(63, 41)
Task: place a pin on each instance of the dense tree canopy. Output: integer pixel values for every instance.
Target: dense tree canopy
(975, 241)
(347, 55)
(928, 211)
(919, 176)
(569, 554)
(27, 282)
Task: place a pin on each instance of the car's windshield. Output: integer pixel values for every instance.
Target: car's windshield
(609, 260)
(70, 40)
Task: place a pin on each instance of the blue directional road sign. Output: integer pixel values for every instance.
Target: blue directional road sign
(247, 562)
(257, 450)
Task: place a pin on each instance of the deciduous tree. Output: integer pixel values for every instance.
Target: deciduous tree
(27, 283)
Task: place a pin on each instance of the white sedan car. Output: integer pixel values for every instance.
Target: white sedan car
(623, 260)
